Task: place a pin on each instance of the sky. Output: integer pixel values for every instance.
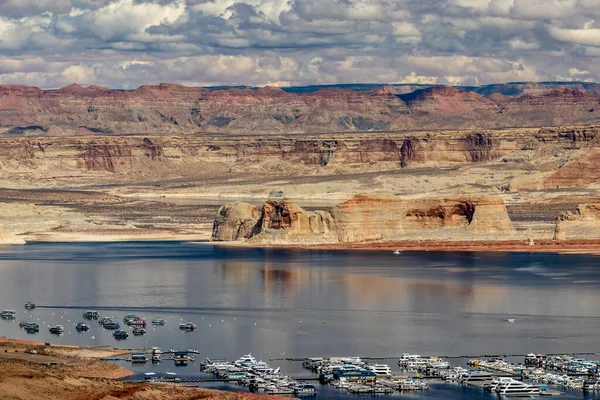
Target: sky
(128, 43)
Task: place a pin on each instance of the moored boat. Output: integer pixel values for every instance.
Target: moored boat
(81, 327)
(29, 305)
(139, 331)
(8, 314)
(57, 329)
(187, 326)
(120, 335)
(159, 321)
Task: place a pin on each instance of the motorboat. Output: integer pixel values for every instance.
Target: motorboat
(379, 389)
(129, 317)
(8, 314)
(187, 326)
(81, 327)
(90, 314)
(304, 390)
(245, 360)
(380, 369)
(591, 385)
(397, 252)
(137, 321)
(57, 329)
(516, 388)
(104, 320)
(156, 358)
(159, 321)
(496, 382)
(32, 328)
(112, 325)
(478, 377)
(139, 358)
(139, 331)
(120, 335)
(29, 305)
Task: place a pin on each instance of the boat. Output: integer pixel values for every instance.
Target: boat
(156, 358)
(139, 331)
(29, 305)
(139, 358)
(279, 390)
(380, 369)
(159, 321)
(304, 390)
(112, 325)
(247, 359)
(590, 385)
(516, 388)
(57, 329)
(32, 328)
(120, 335)
(187, 326)
(129, 317)
(181, 358)
(511, 320)
(136, 322)
(104, 320)
(397, 252)
(81, 327)
(477, 377)
(379, 389)
(496, 382)
(90, 314)
(8, 314)
(22, 324)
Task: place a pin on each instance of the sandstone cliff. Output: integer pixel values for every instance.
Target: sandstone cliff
(367, 218)
(176, 109)
(583, 224)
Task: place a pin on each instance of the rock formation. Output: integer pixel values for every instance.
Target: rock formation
(235, 221)
(583, 224)
(367, 218)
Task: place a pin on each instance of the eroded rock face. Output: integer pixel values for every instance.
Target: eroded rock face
(368, 218)
(583, 224)
(235, 221)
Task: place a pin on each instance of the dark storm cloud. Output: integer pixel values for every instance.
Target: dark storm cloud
(124, 43)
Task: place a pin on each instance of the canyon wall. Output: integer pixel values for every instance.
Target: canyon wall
(150, 158)
(366, 218)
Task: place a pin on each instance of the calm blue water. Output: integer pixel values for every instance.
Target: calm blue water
(298, 303)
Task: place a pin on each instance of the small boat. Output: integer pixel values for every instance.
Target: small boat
(112, 325)
(81, 327)
(8, 314)
(156, 358)
(159, 321)
(32, 328)
(29, 305)
(129, 317)
(305, 390)
(397, 252)
(104, 320)
(139, 358)
(22, 324)
(120, 335)
(511, 320)
(187, 326)
(139, 331)
(90, 314)
(57, 329)
(137, 321)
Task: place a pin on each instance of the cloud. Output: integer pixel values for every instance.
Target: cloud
(126, 43)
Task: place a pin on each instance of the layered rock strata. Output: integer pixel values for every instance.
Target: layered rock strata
(169, 109)
(366, 218)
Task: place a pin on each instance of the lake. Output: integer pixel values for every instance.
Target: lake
(282, 303)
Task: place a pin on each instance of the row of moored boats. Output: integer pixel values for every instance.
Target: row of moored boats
(257, 375)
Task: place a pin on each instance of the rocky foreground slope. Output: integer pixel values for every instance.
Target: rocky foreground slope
(168, 108)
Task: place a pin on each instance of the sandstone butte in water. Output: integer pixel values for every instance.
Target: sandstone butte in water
(169, 109)
(366, 218)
